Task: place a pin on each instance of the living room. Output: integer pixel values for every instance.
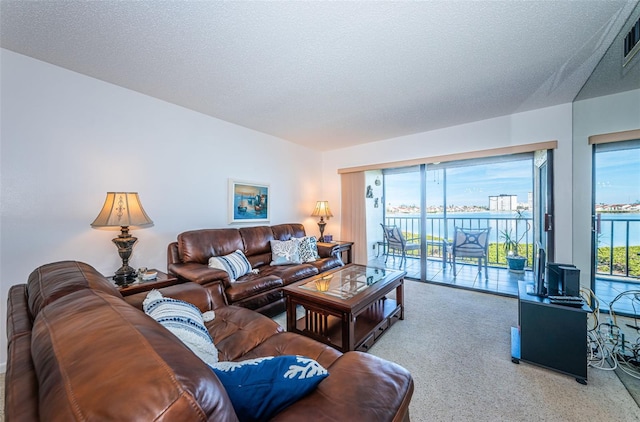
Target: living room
(68, 138)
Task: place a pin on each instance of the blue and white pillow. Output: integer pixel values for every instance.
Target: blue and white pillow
(285, 252)
(308, 248)
(185, 321)
(235, 264)
(260, 388)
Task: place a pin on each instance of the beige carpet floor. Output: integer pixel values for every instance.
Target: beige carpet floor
(456, 344)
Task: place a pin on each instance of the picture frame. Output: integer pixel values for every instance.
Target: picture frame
(248, 202)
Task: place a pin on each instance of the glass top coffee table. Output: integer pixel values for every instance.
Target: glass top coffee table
(347, 308)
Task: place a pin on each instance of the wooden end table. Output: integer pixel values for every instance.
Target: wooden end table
(162, 280)
(346, 308)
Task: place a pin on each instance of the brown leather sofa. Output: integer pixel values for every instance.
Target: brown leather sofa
(188, 260)
(78, 350)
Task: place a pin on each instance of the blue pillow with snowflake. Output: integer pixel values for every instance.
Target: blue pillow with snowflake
(260, 388)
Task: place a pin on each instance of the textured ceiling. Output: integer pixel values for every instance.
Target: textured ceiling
(328, 74)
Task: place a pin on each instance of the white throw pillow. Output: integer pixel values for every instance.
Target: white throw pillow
(285, 252)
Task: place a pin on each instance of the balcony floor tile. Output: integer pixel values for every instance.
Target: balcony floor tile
(501, 281)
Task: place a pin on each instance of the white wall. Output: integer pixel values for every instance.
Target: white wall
(552, 123)
(67, 139)
(596, 116)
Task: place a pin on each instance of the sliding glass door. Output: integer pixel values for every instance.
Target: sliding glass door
(616, 218)
(403, 208)
(428, 201)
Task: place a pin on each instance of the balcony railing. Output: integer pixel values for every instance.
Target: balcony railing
(618, 246)
(622, 260)
(440, 228)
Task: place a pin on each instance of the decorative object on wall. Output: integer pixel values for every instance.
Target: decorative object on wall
(378, 182)
(376, 203)
(248, 201)
(123, 209)
(322, 210)
(369, 192)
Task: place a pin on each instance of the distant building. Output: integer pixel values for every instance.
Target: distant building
(503, 202)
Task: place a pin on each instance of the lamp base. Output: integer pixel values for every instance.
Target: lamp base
(125, 274)
(321, 225)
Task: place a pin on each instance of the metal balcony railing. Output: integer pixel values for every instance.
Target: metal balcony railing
(621, 260)
(439, 228)
(618, 247)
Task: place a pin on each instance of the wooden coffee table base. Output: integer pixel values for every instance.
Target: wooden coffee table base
(347, 326)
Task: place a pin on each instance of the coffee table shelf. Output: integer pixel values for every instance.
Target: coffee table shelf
(351, 322)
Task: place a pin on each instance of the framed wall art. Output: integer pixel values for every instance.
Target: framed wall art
(248, 201)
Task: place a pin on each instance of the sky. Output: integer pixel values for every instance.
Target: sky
(617, 182)
(465, 185)
(618, 177)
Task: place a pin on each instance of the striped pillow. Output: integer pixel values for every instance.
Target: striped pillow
(185, 321)
(235, 264)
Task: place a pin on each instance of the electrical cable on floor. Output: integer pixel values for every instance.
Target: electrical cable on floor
(607, 346)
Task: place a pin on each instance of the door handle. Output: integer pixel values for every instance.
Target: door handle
(548, 222)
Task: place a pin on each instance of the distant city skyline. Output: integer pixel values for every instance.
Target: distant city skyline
(617, 182)
(466, 186)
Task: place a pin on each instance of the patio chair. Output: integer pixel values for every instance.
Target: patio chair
(396, 242)
(470, 243)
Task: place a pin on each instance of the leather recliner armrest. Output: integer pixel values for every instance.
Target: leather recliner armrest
(326, 251)
(188, 292)
(199, 273)
(173, 256)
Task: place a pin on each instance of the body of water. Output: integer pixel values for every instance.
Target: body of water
(620, 225)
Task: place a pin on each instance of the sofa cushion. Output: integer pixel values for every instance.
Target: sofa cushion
(354, 391)
(185, 321)
(235, 264)
(285, 252)
(288, 343)
(251, 285)
(287, 231)
(259, 388)
(256, 240)
(291, 273)
(52, 281)
(98, 358)
(200, 245)
(236, 331)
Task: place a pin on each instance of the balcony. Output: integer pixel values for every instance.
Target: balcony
(611, 279)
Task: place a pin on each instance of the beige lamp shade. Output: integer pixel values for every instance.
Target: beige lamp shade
(322, 210)
(122, 209)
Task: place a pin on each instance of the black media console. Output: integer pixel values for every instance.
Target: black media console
(552, 336)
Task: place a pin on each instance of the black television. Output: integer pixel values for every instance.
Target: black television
(539, 265)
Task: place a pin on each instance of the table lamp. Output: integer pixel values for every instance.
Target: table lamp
(123, 209)
(322, 210)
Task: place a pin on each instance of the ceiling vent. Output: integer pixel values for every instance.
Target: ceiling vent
(631, 43)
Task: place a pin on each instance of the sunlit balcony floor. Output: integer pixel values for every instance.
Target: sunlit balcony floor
(501, 281)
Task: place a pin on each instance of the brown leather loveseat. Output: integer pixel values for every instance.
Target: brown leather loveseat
(78, 350)
(188, 260)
